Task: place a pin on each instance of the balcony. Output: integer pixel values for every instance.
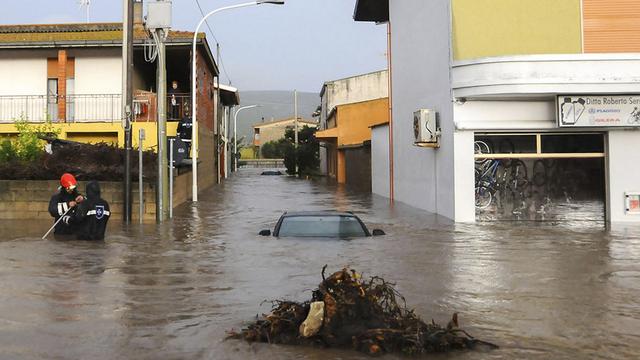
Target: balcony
(77, 108)
(89, 108)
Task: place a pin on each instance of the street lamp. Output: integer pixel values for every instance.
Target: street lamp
(194, 136)
(235, 135)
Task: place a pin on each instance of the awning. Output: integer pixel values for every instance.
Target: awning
(371, 10)
(229, 95)
(327, 134)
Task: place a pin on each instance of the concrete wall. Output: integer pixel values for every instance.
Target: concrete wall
(380, 160)
(23, 73)
(622, 173)
(103, 132)
(98, 71)
(424, 178)
(484, 28)
(354, 121)
(352, 90)
(30, 199)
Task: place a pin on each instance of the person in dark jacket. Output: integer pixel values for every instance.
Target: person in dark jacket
(92, 215)
(63, 203)
(185, 127)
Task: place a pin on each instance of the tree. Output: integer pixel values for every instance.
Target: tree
(307, 155)
(276, 149)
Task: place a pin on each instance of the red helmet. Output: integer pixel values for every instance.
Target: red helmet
(68, 181)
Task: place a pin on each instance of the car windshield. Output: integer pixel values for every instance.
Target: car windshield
(321, 226)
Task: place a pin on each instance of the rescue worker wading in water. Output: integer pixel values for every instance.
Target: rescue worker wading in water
(91, 216)
(63, 202)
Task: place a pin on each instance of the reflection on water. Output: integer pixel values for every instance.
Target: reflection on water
(562, 290)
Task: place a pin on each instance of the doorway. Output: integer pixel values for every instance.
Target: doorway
(540, 176)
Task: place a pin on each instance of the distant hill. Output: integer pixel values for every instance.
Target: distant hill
(274, 105)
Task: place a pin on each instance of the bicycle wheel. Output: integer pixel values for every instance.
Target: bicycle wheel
(539, 177)
(481, 148)
(483, 197)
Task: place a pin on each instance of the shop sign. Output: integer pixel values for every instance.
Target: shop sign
(599, 111)
(632, 203)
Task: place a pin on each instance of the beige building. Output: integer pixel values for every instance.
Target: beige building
(265, 132)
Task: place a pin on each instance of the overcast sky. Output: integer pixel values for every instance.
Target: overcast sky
(299, 45)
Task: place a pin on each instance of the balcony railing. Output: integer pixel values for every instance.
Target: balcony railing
(89, 107)
(77, 108)
(178, 105)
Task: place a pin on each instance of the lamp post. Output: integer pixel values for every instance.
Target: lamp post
(194, 137)
(235, 135)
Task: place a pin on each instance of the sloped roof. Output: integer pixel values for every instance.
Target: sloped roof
(41, 35)
(71, 35)
(291, 119)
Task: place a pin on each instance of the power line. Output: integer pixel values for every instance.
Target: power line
(216, 39)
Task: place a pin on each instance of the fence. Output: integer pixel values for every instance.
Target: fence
(89, 107)
(78, 108)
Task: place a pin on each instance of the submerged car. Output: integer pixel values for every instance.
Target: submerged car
(271, 172)
(320, 224)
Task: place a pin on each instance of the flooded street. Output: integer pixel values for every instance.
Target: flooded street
(540, 291)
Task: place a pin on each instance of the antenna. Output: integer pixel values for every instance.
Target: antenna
(86, 4)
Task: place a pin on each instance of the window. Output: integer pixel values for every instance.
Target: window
(52, 99)
(321, 226)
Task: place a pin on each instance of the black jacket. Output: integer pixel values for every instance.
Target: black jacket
(58, 205)
(185, 128)
(92, 215)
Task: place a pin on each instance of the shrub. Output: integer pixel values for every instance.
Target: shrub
(7, 151)
(29, 146)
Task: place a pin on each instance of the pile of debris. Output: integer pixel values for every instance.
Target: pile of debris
(103, 162)
(348, 312)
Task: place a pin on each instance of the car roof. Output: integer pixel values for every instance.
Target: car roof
(318, 213)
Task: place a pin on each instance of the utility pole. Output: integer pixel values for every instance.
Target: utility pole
(218, 120)
(295, 122)
(127, 99)
(162, 194)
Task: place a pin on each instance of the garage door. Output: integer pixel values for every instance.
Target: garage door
(540, 177)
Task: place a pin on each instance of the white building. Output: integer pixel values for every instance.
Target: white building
(500, 76)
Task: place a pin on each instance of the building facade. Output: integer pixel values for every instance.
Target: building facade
(353, 89)
(275, 130)
(347, 141)
(71, 75)
(536, 107)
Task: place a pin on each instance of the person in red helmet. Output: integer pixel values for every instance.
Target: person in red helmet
(63, 203)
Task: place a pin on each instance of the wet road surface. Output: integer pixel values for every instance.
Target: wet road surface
(550, 291)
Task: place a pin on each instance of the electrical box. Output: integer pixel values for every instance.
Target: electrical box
(426, 126)
(158, 15)
(632, 203)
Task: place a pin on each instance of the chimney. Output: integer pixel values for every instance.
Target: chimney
(138, 13)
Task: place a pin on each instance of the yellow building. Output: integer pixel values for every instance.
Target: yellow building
(265, 132)
(347, 139)
(350, 107)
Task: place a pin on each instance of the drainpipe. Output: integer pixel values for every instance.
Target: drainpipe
(391, 164)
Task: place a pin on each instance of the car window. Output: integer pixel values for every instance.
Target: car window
(321, 226)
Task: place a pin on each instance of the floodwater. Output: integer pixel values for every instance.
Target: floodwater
(540, 291)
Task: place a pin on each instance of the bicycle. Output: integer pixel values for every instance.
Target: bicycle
(489, 180)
